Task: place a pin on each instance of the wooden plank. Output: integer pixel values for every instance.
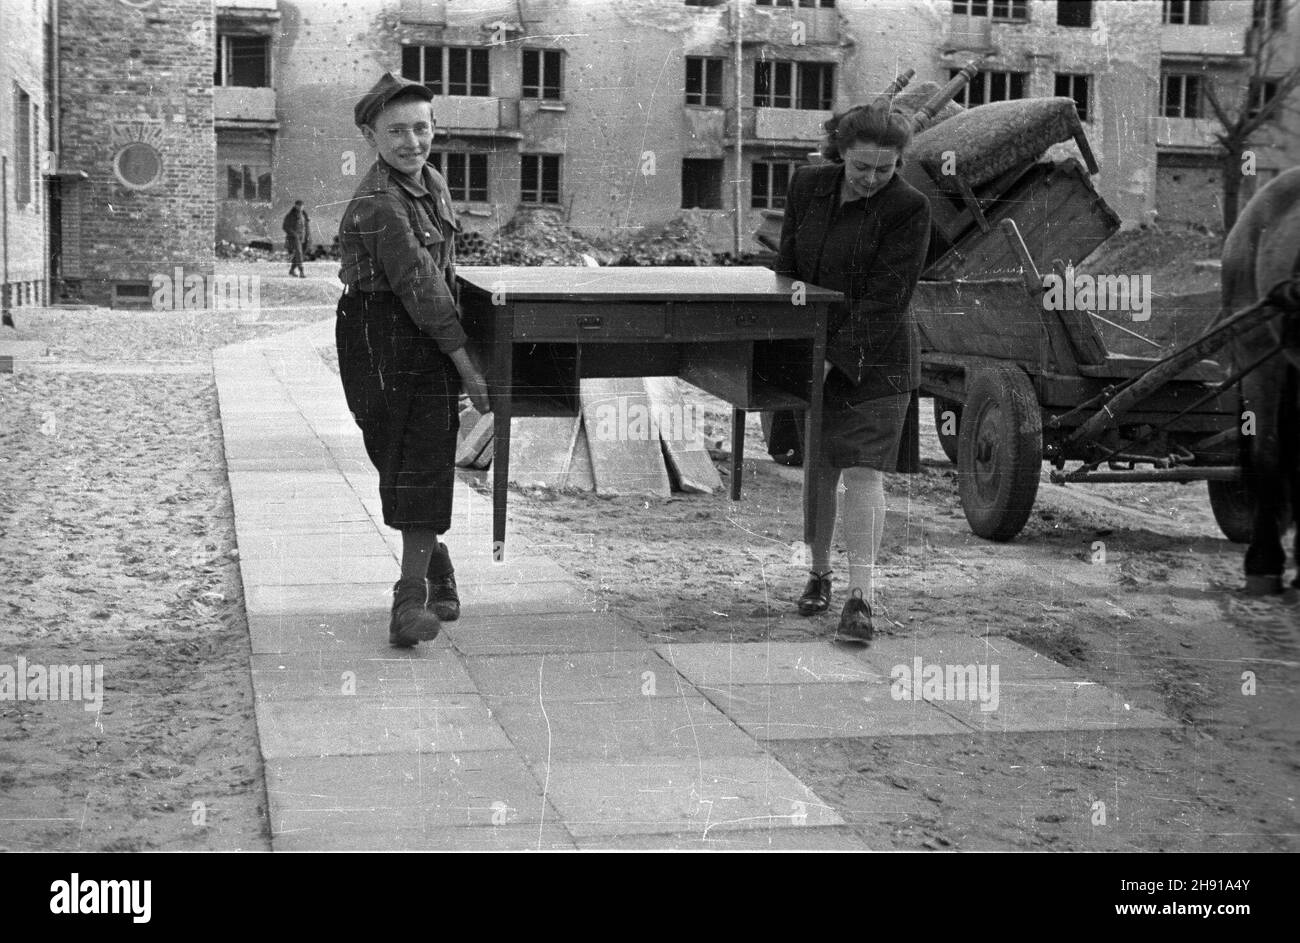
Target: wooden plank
(541, 449)
(475, 449)
(680, 432)
(623, 439)
(580, 474)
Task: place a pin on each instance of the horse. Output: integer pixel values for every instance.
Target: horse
(1260, 254)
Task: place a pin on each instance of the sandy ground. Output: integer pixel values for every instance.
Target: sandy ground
(117, 546)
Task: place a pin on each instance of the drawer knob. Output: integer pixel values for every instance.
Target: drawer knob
(591, 322)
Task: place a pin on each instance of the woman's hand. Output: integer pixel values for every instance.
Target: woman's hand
(826, 371)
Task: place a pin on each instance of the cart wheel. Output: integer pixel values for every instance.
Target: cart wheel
(999, 452)
(947, 442)
(1234, 510)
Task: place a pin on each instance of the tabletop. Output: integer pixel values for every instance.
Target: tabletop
(653, 283)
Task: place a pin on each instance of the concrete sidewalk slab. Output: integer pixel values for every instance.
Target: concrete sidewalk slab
(330, 834)
(675, 726)
(317, 797)
(542, 632)
(303, 675)
(575, 676)
(272, 598)
(804, 838)
(321, 569)
(1053, 705)
(717, 665)
(317, 632)
(1014, 661)
(696, 797)
(434, 723)
(828, 711)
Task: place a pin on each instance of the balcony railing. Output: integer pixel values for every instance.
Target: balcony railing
(1221, 39)
(789, 124)
(238, 103)
(1188, 133)
(473, 113)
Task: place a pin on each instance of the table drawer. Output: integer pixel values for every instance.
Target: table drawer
(740, 321)
(570, 322)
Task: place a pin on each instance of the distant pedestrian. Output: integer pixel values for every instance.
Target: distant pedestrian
(297, 236)
(402, 354)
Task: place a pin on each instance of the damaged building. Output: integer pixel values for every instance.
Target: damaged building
(139, 133)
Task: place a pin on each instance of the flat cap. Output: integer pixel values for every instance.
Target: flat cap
(386, 89)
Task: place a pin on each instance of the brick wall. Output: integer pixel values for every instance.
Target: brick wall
(22, 65)
(136, 87)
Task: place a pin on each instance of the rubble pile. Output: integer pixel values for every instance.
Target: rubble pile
(540, 237)
(681, 241)
(532, 237)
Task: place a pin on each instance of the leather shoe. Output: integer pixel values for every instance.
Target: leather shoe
(444, 600)
(411, 623)
(855, 620)
(816, 594)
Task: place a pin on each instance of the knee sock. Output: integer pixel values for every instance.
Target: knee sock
(862, 519)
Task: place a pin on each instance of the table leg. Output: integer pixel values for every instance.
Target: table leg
(737, 450)
(503, 365)
(812, 429)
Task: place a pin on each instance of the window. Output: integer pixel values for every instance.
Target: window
(250, 182)
(539, 178)
(243, 61)
(1269, 15)
(808, 85)
(1180, 95)
(790, 3)
(542, 71)
(24, 141)
(703, 81)
(1264, 91)
(998, 9)
(769, 183)
(1076, 13)
(467, 175)
(704, 3)
(701, 184)
(990, 87)
(450, 70)
(1076, 87)
(1185, 12)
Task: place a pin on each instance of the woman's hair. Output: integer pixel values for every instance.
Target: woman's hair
(865, 124)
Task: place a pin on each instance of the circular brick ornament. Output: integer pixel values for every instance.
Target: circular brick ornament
(138, 165)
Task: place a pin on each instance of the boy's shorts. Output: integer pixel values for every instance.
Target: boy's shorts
(404, 394)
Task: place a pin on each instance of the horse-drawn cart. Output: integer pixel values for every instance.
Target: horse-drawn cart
(1016, 383)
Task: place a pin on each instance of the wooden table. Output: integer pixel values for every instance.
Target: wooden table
(746, 335)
